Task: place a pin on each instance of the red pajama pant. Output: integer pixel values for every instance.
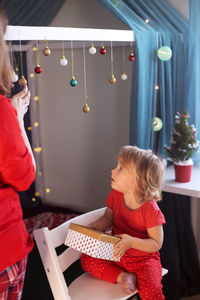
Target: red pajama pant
(148, 272)
(12, 281)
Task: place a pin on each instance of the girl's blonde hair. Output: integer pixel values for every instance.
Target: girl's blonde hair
(147, 169)
(5, 67)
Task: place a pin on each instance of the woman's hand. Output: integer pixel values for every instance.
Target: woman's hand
(21, 101)
(123, 245)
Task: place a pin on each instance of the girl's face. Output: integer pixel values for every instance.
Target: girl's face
(122, 179)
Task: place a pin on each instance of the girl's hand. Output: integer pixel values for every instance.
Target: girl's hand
(21, 101)
(123, 245)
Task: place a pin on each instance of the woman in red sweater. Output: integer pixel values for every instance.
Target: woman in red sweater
(17, 172)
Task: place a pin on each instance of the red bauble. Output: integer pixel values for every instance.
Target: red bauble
(103, 50)
(131, 57)
(38, 69)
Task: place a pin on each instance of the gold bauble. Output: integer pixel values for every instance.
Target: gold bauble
(86, 108)
(112, 79)
(46, 51)
(22, 81)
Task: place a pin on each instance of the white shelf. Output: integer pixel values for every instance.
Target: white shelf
(191, 188)
(41, 33)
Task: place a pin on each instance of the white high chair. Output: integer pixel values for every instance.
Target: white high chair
(85, 286)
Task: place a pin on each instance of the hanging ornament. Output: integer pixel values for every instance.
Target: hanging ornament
(86, 107)
(37, 69)
(112, 79)
(92, 49)
(131, 56)
(73, 81)
(46, 50)
(123, 75)
(22, 80)
(157, 124)
(63, 61)
(14, 76)
(164, 53)
(103, 50)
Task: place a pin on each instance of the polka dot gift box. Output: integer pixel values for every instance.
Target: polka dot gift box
(91, 242)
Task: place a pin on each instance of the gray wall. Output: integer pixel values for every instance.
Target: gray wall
(79, 149)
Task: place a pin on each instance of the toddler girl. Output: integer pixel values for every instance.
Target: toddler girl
(135, 217)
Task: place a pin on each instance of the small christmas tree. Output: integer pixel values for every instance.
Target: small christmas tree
(183, 142)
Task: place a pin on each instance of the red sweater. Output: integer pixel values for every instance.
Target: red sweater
(16, 174)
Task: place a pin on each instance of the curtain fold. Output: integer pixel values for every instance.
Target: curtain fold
(31, 12)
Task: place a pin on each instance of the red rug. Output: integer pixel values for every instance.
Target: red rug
(46, 219)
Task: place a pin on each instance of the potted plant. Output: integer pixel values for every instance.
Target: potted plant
(183, 146)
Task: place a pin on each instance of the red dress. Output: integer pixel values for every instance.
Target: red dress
(146, 265)
(16, 174)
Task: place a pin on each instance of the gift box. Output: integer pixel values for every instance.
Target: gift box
(91, 242)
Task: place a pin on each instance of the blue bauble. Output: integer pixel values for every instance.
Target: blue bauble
(73, 82)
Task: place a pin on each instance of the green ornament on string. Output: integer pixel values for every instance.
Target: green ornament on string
(73, 82)
(157, 124)
(164, 53)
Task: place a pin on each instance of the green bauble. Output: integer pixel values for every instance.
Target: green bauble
(164, 53)
(73, 82)
(157, 124)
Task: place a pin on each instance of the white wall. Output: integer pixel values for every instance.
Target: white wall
(79, 149)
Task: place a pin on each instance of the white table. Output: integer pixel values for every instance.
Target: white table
(191, 188)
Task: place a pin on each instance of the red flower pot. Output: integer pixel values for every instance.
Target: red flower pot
(182, 172)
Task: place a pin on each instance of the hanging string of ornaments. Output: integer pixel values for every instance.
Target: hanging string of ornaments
(14, 77)
(22, 81)
(124, 74)
(73, 81)
(63, 62)
(92, 49)
(86, 107)
(37, 69)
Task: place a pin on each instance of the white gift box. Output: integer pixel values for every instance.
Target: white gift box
(91, 242)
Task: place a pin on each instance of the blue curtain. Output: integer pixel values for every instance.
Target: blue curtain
(31, 12)
(176, 92)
